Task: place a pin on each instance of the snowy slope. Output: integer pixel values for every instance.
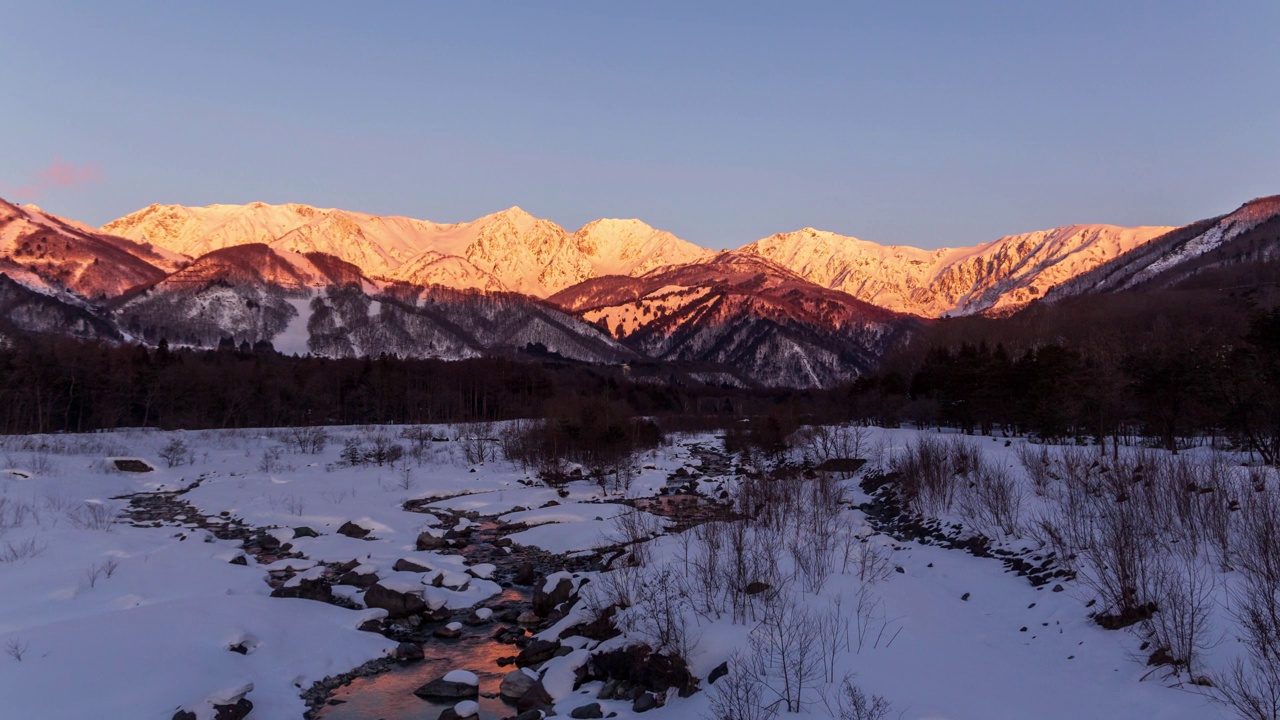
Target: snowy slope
(998, 276)
(316, 303)
(376, 244)
(28, 310)
(48, 253)
(1249, 234)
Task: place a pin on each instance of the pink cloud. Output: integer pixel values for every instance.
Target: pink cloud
(59, 174)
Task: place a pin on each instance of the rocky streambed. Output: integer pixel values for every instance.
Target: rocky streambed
(485, 660)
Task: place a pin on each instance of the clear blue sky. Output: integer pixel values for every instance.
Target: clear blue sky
(925, 123)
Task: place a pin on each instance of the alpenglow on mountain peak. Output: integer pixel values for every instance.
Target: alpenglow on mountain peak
(516, 251)
(508, 250)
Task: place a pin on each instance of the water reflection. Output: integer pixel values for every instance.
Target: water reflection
(390, 695)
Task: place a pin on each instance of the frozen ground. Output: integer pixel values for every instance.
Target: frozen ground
(99, 618)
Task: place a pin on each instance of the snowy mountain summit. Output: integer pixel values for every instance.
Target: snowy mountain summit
(515, 251)
(507, 250)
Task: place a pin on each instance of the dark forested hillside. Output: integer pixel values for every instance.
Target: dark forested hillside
(53, 384)
(1201, 357)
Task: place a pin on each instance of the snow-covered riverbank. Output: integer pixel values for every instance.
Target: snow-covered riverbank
(102, 617)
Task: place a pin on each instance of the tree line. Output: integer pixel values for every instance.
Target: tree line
(1164, 385)
(57, 384)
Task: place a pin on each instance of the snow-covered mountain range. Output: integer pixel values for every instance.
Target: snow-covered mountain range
(512, 250)
(508, 250)
(802, 308)
(741, 311)
(1251, 233)
(998, 276)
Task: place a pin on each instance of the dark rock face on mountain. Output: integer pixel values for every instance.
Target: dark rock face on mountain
(745, 313)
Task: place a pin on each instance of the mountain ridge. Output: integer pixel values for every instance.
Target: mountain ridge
(513, 250)
(805, 308)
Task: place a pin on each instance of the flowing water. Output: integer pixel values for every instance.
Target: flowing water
(390, 695)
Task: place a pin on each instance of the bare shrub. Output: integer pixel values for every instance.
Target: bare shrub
(16, 648)
(705, 566)
(872, 628)
(872, 562)
(175, 452)
(405, 477)
(853, 703)
(813, 516)
(635, 528)
(272, 460)
(308, 440)
(657, 614)
(377, 448)
(740, 695)
(15, 515)
(478, 443)
(992, 498)
(604, 438)
(381, 449)
(23, 550)
(1122, 562)
(1251, 689)
(819, 443)
(1252, 686)
(1037, 461)
(926, 476)
(787, 653)
(1185, 598)
(834, 637)
(92, 516)
(337, 497)
(107, 568)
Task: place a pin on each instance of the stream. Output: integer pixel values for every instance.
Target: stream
(385, 688)
(389, 695)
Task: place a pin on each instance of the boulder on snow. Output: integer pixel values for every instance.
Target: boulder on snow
(525, 574)
(448, 632)
(591, 710)
(537, 698)
(306, 589)
(545, 601)
(537, 651)
(304, 532)
(409, 652)
(407, 565)
(131, 465)
(516, 683)
(427, 541)
(238, 710)
(644, 703)
(397, 604)
(442, 689)
(355, 579)
(461, 711)
(353, 530)
(638, 665)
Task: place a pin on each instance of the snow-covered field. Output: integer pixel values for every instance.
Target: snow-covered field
(102, 618)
